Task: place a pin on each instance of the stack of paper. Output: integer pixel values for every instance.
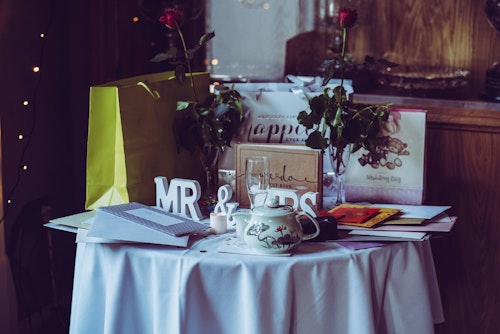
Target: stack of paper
(72, 223)
(131, 222)
(391, 221)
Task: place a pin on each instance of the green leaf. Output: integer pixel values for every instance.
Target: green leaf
(203, 40)
(206, 37)
(160, 57)
(319, 107)
(316, 140)
(197, 125)
(305, 119)
(182, 105)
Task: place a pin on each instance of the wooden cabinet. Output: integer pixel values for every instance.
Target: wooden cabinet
(463, 170)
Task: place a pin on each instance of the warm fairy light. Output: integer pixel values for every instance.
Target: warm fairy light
(135, 19)
(20, 167)
(266, 5)
(214, 62)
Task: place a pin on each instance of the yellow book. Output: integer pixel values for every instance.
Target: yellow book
(382, 215)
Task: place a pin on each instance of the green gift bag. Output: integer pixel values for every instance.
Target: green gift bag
(130, 139)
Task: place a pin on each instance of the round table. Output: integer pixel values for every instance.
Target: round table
(321, 288)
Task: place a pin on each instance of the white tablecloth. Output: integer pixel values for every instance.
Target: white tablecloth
(322, 288)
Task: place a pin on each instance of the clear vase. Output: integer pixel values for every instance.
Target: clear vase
(209, 157)
(339, 158)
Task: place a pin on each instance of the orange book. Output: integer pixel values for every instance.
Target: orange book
(378, 214)
(353, 214)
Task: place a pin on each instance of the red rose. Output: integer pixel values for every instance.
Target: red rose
(172, 18)
(347, 17)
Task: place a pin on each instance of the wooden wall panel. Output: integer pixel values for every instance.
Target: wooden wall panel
(463, 165)
(123, 48)
(448, 33)
(463, 172)
(119, 46)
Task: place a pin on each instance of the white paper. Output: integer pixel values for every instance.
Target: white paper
(233, 244)
(79, 220)
(109, 226)
(415, 211)
(393, 234)
(442, 224)
(81, 236)
(61, 227)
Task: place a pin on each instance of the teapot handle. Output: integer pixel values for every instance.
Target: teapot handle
(314, 221)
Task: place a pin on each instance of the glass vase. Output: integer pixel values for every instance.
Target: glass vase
(209, 157)
(339, 158)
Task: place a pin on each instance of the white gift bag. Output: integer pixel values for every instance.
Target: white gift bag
(271, 111)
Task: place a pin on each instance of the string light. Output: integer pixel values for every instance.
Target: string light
(22, 165)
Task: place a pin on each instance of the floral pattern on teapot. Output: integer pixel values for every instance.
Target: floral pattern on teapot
(288, 239)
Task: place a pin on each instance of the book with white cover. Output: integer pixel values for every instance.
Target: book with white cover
(107, 227)
(154, 218)
(137, 222)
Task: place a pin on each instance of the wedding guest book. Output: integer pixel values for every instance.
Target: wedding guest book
(294, 167)
(135, 222)
(154, 218)
(396, 172)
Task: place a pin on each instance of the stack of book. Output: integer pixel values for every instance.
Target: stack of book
(390, 222)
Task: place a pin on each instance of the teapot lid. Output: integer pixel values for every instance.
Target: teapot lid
(272, 208)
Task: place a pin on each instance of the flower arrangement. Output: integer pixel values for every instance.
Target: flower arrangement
(334, 119)
(206, 127)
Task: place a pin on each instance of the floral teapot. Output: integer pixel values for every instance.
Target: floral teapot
(273, 228)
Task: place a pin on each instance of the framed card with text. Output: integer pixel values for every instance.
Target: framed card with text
(396, 173)
(295, 167)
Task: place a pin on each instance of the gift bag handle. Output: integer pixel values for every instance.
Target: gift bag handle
(153, 93)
